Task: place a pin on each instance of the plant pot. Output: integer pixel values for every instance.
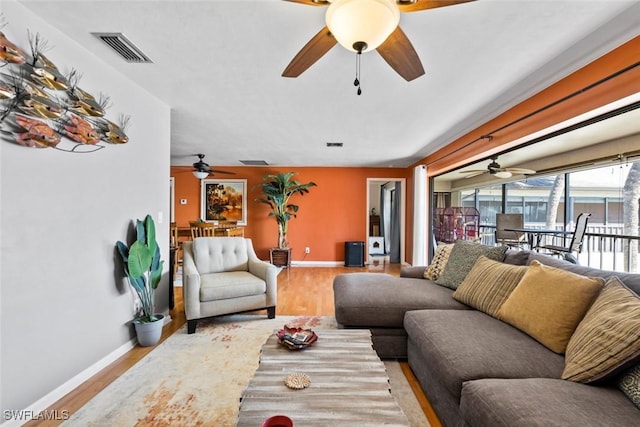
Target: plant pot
(280, 257)
(149, 333)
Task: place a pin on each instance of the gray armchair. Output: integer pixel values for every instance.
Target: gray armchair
(223, 275)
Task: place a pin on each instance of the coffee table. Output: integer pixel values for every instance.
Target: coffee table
(349, 384)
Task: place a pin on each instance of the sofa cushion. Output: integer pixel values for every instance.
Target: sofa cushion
(548, 304)
(381, 300)
(463, 255)
(461, 345)
(631, 280)
(544, 402)
(216, 254)
(439, 261)
(232, 284)
(608, 338)
(489, 284)
(629, 383)
(516, 257)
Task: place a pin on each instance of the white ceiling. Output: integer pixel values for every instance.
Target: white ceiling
(217, 64)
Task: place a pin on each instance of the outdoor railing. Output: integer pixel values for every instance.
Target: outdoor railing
(604, 247)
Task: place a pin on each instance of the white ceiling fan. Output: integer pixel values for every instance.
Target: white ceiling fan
(498, 171)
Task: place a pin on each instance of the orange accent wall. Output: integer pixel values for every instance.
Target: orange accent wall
(330, 214)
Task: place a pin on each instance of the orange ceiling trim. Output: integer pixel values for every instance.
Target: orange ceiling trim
(471, 147)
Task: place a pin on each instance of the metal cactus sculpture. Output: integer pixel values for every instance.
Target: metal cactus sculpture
(143, 266)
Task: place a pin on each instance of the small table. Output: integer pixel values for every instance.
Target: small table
(536, 235)
(349, 384)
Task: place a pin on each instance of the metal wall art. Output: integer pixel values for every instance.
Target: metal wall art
(40, 107)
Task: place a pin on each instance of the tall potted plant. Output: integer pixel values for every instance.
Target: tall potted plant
(277, 190)
(143, 268)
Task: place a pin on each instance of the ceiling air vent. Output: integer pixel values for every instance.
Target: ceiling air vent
(123, 47)
(334, 144)
(254, 162)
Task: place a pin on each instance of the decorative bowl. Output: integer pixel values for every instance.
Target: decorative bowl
(278, 421)
(296, 338)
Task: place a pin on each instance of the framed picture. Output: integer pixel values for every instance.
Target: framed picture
(224, 200)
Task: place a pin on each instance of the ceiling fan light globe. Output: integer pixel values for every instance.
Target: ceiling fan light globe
(200, 174)
(503, 174)
(368, 21)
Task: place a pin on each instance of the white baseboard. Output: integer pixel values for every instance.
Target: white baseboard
(316, 263)
(32, 411)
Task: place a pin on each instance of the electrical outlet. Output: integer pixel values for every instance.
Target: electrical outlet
(307, 250)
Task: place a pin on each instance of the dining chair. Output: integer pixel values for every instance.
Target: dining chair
(576, 243)
(174, 243)
(201, 229)
(510, 238)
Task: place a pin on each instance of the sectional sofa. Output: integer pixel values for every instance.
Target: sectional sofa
(508, 338)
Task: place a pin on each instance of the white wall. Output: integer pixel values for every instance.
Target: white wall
(63, 307)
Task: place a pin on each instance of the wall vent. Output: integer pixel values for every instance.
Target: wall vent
(334, 144)
(123, 47)
(254, 162)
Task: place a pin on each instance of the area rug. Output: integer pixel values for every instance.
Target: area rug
(197, 380)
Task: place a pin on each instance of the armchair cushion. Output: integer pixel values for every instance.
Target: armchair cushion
(217, 255)
(232, 284)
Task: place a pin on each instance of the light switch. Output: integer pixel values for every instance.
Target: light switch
(160, 217)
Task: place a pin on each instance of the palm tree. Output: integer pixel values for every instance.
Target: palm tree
(555, 195)
(630, 214)
(277, 190)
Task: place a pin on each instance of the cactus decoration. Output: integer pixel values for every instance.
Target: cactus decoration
(143, 266)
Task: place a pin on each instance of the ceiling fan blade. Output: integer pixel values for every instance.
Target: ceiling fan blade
(399, 53)
(418, 5)
(520, 171)
(311, 2)
(471, 174)
(320, 44)
(222, 172)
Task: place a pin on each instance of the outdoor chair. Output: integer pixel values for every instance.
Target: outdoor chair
(575, 245)
(510, 238)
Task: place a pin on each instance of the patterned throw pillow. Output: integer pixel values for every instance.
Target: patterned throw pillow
(440, 258)
(608, 338)
(463, 255)
(629, 383)
(549, 303)
(489, 284)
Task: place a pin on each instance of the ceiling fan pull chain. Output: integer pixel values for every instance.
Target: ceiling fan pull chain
(356, 82)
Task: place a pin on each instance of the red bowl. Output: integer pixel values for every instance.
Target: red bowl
(278, 421)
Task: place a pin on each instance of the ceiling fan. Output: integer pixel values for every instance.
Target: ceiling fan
(201, 170)
(360, 25)
(498, 171)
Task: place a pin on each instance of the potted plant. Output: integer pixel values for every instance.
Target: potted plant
(143, 268)
(277, 190)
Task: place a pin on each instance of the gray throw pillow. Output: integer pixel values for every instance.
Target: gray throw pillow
(463, 256)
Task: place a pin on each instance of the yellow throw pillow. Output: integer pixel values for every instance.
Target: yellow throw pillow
(440, 258)
(608, 338)
(548, 304)
(489, 284)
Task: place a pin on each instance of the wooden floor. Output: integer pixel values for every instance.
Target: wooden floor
(301, 291)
